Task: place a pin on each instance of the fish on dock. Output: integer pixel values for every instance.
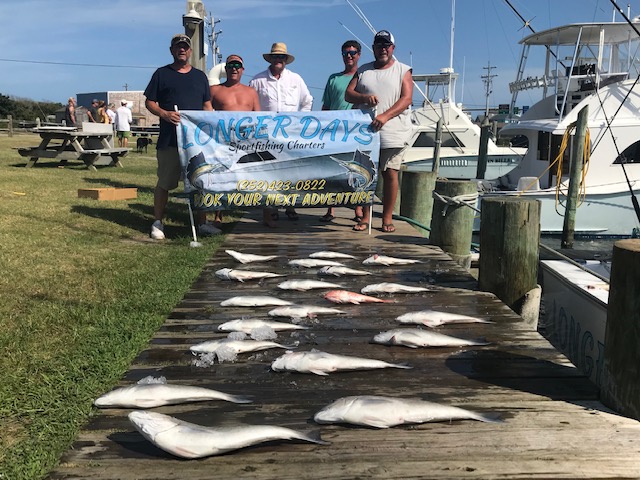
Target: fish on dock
(345, 296)
(243, 275)
(434, 318)
(304, 285)
(189, 440)
(388, 261)
(314, 263)
(414, 338)
(384, 412)
(342, 271)
(327, 254)
(302, 311)
(322, 363)
(387, 287)
(151, 395)
(236, 346)
(247, 325)
(253, 301)
(248, 257)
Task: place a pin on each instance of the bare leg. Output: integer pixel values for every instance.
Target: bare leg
(160, 199)
(390, 193)
(267, 218)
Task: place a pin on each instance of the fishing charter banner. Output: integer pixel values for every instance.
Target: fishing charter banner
(269, 159)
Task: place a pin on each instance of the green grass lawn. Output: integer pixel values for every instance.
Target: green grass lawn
(82, 290)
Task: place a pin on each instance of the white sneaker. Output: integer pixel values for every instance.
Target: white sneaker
(206, 230)
(157, 230)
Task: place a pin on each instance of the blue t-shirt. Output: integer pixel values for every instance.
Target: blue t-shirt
(169, 88)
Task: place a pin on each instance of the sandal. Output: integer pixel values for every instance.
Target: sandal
(291, 214)
(327, 218)
(361, 227)
(357, 219)
(388, 227)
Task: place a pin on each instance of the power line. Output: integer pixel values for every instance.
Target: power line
(73, 64)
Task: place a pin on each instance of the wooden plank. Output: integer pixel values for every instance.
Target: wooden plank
(553, 424)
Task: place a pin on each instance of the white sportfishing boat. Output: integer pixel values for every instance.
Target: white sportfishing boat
(587, 65)
(460, 137)
(576, 301)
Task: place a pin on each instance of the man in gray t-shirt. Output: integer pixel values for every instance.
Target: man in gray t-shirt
(385, 86)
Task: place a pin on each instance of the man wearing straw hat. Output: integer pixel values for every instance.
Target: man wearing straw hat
(281, 90)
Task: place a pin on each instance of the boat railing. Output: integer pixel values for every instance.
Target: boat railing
(572, 262)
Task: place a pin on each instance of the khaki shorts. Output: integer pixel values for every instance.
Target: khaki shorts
(391, 158)
(169, 168)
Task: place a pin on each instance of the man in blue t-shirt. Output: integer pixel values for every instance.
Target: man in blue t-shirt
(187, 88)
(333, 98)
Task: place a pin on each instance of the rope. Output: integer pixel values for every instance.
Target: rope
(465, 200)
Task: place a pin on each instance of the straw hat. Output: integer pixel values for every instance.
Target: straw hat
(279, 48)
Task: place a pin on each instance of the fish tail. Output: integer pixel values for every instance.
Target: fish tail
(313, 437)
(401, 365)
(488, 417)
(239, 399)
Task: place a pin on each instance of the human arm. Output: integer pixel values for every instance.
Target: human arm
(170, 116)
(406, 94)
(207, 106)
(357, 98)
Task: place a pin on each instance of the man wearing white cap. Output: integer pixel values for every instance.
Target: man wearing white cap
(123, 124)
(281, 90)
(385, 87)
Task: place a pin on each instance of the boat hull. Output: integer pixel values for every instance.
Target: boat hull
(465, 166)
(576, 315)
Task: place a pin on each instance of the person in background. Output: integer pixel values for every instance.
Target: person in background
(385, 86)
(187, 88)
(101, 115)
(70, 113)
(233, 96)
(123, 124)
(281, 90)
(333, 98)
(111, 113)
(92, 112)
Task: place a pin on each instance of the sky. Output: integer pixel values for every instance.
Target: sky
(53, 49)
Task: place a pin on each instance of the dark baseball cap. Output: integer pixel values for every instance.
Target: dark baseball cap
(383, 37)
(180, 38)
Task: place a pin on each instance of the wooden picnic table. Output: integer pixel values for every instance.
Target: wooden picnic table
(94, 148)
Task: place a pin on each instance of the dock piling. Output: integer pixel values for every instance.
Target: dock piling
(417, 196)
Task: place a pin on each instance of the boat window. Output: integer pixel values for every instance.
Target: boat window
(549, 148)
(256, 157)
(631, 154)
(428, 139)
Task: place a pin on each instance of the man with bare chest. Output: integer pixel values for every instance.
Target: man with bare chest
(233, 96)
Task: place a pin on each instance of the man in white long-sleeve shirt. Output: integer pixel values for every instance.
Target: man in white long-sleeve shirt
(281, 90)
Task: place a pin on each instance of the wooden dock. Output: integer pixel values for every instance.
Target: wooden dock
(554, 426)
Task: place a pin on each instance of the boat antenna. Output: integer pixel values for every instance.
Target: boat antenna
(355, 36)
(525, 23)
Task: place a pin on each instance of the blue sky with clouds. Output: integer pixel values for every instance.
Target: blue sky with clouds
(52, 49)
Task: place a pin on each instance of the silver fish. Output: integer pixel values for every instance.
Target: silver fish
(303, 285)
(314, 262)
(301, 311)
(414, 338)
(434, 318)
(253, 301)
(341, 271)
(235, 346)
(242, 275)
(345, 296)
(322, 363)
(385, 260)
(391, 288)
(248, 257)
(385, 412)
(158, 394)
(189, 440)
(329, 254)
(247, 325)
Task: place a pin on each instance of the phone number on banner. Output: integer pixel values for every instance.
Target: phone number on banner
(281, 185)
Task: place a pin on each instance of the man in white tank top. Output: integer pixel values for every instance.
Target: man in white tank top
(385, 87)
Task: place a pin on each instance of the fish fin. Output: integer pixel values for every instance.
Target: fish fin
(319, 372)
(375, 422)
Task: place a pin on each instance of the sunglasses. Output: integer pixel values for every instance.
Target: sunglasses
(350, 53)
(279, 57)
(234, 65)
(386, 46)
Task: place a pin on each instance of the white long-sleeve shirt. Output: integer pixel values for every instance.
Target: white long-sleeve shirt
(288, 93)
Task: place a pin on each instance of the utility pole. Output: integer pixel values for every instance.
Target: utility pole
(126, 87)
(488, 80)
